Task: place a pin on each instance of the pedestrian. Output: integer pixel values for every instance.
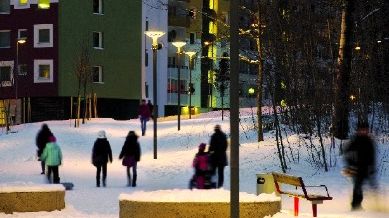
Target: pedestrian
(217, 150)
(52, 155)
(41, 140)
(202, 176)
(151, 109)
(101, 153)
(360, 160)
(131, 156)
(144, 115)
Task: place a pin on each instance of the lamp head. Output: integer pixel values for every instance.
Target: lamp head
(22, 40)
(154, 35)
(190, 53)
(179, 45)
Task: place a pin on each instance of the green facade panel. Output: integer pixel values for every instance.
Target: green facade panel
(121, 25)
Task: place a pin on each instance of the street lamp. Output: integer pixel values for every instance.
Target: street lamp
(179, 45)
(190, 54)
(21, 40)
(155, 46)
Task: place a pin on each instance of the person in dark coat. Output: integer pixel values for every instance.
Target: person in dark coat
(131, 156)
(144, 115)
(360, 159)
(41, 140)
(217, 150)
(101, 153)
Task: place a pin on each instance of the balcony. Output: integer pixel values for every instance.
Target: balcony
(180, 21)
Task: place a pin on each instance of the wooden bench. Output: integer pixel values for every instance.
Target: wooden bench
(280, 178)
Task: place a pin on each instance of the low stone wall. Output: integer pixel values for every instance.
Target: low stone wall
(135, 209)
(31, 200)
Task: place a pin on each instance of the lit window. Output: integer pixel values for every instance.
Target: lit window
(97, 40)
(43, 4)
(98, 6)
(23, 2)
(5, 38)
(98, 74)
(43, 35)
(5, 6)
(43, 71)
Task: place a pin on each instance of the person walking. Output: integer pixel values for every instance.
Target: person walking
(144, 115)
(101, 153)
(41, 140)
(360, 159)
(131, 156)
(52, 155)
(217, 150)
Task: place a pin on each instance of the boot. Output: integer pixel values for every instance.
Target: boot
(98, 183)
(134, 181)
(104, 184)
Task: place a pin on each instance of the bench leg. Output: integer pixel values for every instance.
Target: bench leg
(296, 206)
(314, 210)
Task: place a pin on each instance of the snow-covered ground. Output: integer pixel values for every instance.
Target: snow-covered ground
(172, 170)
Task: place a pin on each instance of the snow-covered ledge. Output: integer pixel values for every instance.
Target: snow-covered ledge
(27, 197)
(195, 203)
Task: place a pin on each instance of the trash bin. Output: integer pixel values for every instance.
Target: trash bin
(265, 183)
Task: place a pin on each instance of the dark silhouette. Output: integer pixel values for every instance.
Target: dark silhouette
(360, 161)
(202, 177)
(101, 153)
(217, 151)
(52, 155)
(144, 115)
(42, 139)
(151, 108)
(131, 155)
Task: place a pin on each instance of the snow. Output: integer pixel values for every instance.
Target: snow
(195, 195)
(170, 173)
(30, 187)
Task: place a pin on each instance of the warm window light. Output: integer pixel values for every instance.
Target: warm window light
(44, 4)
(23, 2)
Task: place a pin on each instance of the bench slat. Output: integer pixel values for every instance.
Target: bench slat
(287, 179)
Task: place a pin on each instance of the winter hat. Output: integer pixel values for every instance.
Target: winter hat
(202, 146)
(52, 139)
(101, 134)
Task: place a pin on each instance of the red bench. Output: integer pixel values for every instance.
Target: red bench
(280, 178)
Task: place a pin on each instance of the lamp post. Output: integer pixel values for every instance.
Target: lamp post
(190, 54)
(179, 45)
(16, 71)
(155, 46)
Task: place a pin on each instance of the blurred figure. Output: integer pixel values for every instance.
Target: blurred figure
(52, 155)
(41, 140)
(360, 159)
(202, 177)
(151, 108)
(101, 153)
(217, 151)
(131, 155)
(144, 115)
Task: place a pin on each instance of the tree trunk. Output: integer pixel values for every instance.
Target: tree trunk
(340, 125)
(259, 79)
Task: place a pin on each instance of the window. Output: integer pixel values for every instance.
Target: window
(23, 2)
(97, 40)
(22, 70)
(192, 38)
(171, 62)
(6, 68)
(22, 33)
(5, 38)
(44, 4)
(146, 59)
(43, 71)
(98, 6)
(43, 35)
(97, 74)
(5, 6)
